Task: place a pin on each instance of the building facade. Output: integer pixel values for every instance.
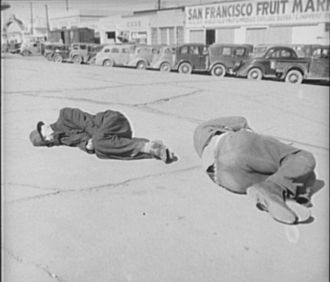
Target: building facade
(163, 26)
(259, 22)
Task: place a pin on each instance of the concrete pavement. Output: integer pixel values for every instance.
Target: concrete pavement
(71, 217)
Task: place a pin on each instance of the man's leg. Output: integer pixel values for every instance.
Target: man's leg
(247, 159)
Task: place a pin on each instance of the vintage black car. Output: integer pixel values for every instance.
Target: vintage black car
(283, 63)
(190, 57)
(224, 58)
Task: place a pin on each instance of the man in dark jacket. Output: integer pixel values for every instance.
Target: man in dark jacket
(108, 134)
(269, 171)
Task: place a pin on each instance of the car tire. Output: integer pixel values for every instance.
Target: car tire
(255, 74)
(58, 59)
(26, 53)
(165, 67)
(77, 60)
(185, 68)
(218, 70)
(108, 63)
(141, 65)
(294, 76)
(49, 57)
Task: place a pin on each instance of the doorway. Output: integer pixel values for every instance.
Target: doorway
(210, 36)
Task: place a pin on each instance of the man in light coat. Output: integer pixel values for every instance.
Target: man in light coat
(269, 171)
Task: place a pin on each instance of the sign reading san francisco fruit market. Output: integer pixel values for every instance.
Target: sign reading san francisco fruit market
(258, 12)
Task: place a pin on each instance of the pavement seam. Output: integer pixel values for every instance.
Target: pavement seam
(39, 266)
(99, 187)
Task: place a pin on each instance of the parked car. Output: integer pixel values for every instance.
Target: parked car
(302, 50)
(283, 63)
(30, 48)
(48, 49)
(114, 55)
(142, 56)
(224, 58)
(83, 52)
(190, 57)
(61, 54)
(164, 59)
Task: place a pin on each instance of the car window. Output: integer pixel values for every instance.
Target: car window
(75, 47)
(317, 53)
(184, 50)
(114, 50)
(205, 50)
(167, 51)
(273, 53)
(194, 50)
(83, 47)
(325, 53)
(240, 52)
(226, 51)
(106, 50)
(285, 53)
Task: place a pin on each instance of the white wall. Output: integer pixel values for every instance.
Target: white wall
(312, 34)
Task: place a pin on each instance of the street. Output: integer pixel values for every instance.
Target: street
(71, 217)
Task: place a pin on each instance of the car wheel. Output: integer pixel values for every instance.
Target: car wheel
(49, 57)
(25, 53)
(218, 70)
(92, 61)
(255, 74)
(141, 65)
(185, 68)
(108, 63)
(77, 60)
(58, 59)
(294, 76)
(165, 67)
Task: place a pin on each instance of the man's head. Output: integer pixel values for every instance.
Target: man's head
(43, 135)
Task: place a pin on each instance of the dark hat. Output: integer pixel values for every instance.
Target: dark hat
(36, 137)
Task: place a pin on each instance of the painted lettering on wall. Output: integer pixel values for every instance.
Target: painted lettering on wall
(252, 12)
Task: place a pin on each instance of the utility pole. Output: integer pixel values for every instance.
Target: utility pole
(31, 9)
(159, 4)
(47, 19)
(67, 4)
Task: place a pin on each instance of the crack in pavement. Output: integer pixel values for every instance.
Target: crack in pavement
(198, 91)
(122, 85)
(39, 266)
(30, 186)
(100, 187)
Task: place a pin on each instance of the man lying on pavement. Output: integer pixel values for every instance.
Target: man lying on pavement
(277, 176)
(107, 134)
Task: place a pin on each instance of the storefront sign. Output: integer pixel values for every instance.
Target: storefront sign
(258, 12)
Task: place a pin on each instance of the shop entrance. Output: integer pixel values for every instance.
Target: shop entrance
(210, 36)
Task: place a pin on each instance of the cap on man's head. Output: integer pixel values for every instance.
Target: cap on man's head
(36, 137)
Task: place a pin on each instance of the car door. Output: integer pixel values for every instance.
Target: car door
(319, 67)
(276, 58)
(196, 57)
(239, 55)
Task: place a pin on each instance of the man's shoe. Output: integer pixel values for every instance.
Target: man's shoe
(160, 151)
(269, 197)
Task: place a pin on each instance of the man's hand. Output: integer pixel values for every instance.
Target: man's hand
(89, 145)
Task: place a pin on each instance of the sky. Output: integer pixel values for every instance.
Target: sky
(22, 8)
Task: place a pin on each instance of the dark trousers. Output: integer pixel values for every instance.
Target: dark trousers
(113, 138)
(245, 158)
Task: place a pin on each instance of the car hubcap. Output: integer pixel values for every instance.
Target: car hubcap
(293, 78)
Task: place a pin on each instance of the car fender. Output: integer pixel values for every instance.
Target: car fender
(245, 68)
(299, 67)
(217, 63)
(177, 64)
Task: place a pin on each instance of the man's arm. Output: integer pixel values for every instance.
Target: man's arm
(73, 119)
